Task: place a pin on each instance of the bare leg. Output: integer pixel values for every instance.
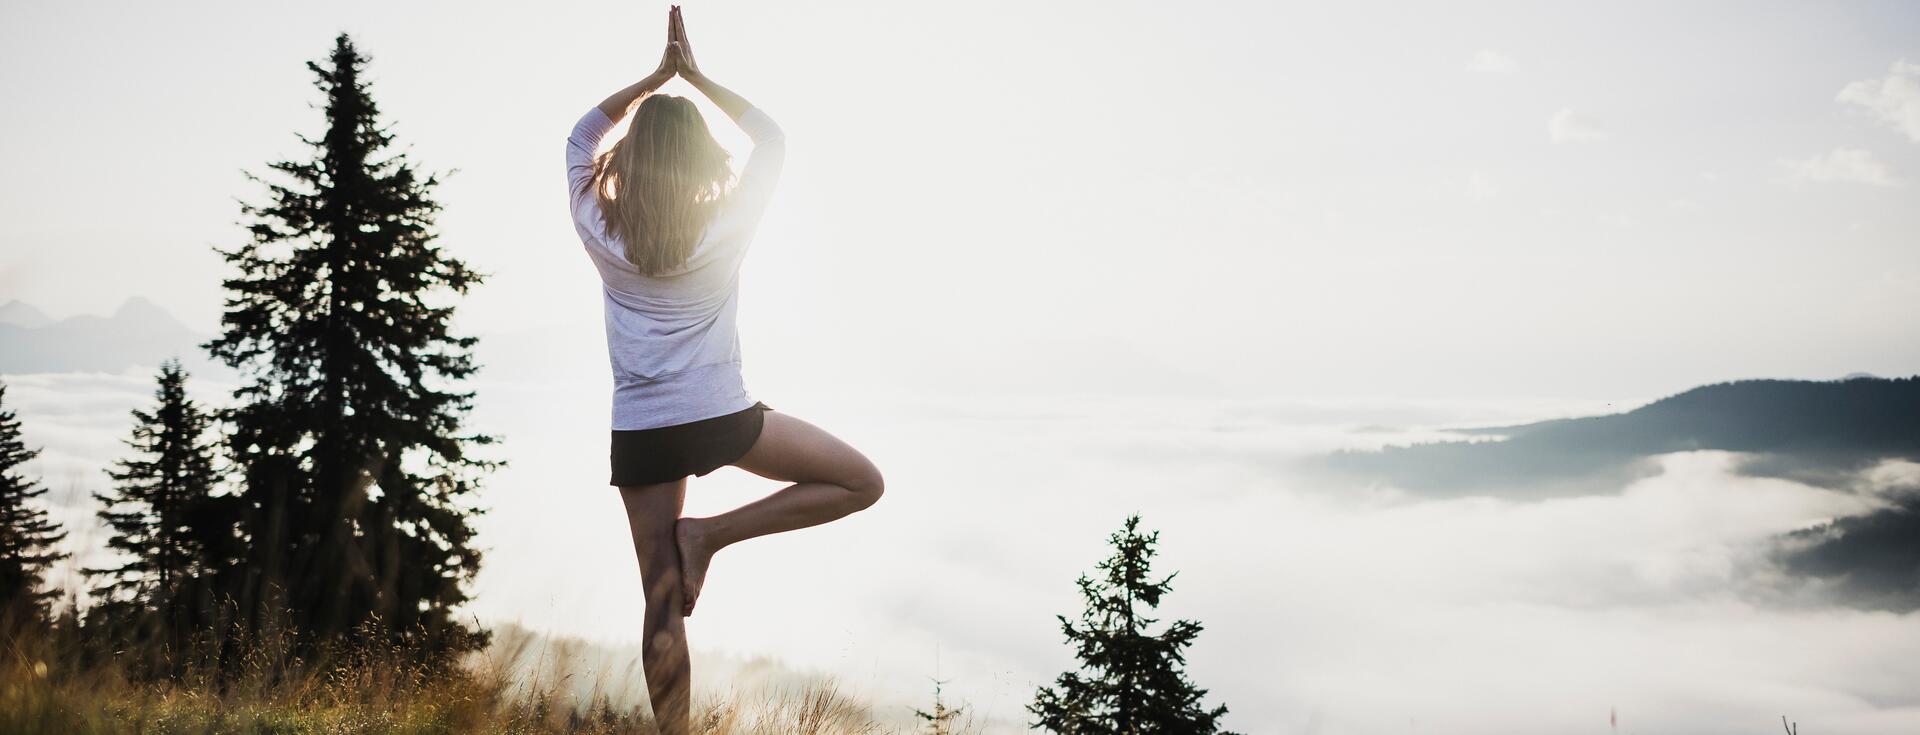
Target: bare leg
(830, 480)
(652, 513)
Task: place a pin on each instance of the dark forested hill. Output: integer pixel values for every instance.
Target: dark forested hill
(1796, 428)
(1821, 433)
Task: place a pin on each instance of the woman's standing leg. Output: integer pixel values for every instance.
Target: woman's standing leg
(652, 512)
(830, 479)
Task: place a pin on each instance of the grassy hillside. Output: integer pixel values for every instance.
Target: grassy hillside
(47, 688)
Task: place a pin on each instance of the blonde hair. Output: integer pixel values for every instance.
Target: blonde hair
(660, 185)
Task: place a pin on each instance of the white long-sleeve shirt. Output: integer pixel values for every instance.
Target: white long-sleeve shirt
(671, 338)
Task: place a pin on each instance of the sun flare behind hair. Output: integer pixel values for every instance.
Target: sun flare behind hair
(662, 183)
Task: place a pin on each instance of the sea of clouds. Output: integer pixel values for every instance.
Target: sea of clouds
(1331, 604)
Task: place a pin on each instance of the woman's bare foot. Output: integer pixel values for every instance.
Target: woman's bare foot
(694, 558)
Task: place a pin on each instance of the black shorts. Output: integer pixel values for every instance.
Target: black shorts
(668, 453)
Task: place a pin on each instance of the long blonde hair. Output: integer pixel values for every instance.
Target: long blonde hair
(662, 183)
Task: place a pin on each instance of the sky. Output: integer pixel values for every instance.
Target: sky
(1272, 196)
(1049, 263)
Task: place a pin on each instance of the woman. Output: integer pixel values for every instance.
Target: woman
(667, 228)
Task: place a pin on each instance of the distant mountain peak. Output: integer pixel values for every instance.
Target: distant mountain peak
(138, 333)
(21, 313)
(1859, 376)
(140, 307)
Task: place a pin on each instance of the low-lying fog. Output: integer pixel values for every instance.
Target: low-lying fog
(1332, 603)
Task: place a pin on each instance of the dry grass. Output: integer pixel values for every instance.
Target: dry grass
(45, 690)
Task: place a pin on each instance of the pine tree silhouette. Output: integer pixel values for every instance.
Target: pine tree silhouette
(27, 535)
(1130, 681)
(175, 534)
(941, 720)
(357, 480)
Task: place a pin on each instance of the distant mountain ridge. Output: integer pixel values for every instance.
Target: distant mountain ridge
(1818, 432)
(137, 333)
(1820, 426)
(1852, 414)
(21, 313)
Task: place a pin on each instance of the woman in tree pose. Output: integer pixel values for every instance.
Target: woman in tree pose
(667, 226)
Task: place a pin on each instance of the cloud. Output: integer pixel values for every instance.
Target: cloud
(1853, 165)
(1565, 127)
(1479, 188)
(1488, 61)
(1467, 596)
(1866, 559)
(1365, 608)
(1894, 99)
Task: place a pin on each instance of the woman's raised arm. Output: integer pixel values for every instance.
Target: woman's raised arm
(615, 106)
(682, 51)
(587, 132)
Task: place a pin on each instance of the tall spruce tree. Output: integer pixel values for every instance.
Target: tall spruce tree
(27, 535)
(175, 534)
(358, 480)
(1130, 681)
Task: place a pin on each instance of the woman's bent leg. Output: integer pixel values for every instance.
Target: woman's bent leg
(652, 513)
(830, 480)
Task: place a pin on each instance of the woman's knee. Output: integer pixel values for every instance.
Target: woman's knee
(866, 483)
(661, 585)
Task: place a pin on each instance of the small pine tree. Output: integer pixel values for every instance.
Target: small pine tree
(164, 517)
(941, 720)
(27, 535)
(1131, 682)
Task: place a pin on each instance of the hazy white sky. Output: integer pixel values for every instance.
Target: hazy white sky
(1307, 198)
(1052, 262)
